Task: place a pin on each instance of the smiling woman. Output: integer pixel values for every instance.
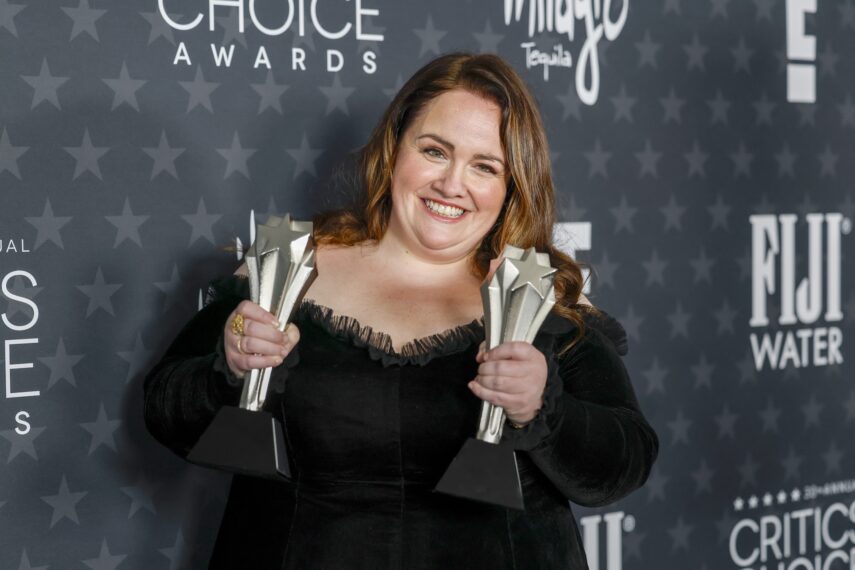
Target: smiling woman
(384, 370)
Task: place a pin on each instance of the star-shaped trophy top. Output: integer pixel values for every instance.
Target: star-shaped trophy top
(532, 269)
(278, 232)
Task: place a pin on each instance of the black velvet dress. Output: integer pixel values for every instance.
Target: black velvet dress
(371, 431)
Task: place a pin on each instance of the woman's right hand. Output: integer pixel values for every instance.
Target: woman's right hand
(262, 345)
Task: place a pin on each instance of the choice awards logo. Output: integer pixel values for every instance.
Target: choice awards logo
(273, 18)
(581, 21)
(804, 333)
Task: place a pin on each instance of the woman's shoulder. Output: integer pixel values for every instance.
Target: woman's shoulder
(597, 323)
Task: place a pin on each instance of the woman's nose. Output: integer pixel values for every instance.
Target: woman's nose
(452, 182)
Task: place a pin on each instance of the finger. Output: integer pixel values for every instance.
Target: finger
(504, 384)
(254, 311)
(292, 334)
(494, 397)
(516, 368)
(255, 345)
(516, 350)
(264, 331)
(482, 348)
(251, 361)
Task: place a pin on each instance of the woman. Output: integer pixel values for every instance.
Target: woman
(457, 168)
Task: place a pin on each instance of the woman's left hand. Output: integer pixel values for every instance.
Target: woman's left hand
(513, 376)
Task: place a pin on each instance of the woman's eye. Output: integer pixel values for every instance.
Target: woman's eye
(486, 168)
(434, 152)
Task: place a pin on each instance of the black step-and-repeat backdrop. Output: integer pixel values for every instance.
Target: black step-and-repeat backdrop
(704, 151)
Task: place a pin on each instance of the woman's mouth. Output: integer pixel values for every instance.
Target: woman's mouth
(443, 210)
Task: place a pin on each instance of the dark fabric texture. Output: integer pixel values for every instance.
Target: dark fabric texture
(371, 431)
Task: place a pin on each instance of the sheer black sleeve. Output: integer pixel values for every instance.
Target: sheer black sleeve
(590, 438)
(187, 387)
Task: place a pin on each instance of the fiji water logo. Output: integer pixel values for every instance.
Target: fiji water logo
(603, 539)
(585, 21)
(808, 299)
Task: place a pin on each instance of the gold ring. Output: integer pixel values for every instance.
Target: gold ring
(237, 325)
(239, 349)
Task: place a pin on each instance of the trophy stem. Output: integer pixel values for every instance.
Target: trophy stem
(491, 424)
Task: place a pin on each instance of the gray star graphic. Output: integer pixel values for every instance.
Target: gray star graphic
(847, 112)
(747, 372)
(724, 316)
(718, 107)
(430, 38)
(199, 91)
(64, 503)
(655, 269)
(304, 157)
(792, 465)
(680, 428)
(672, 6)
(22, 443)
(702, 372)
(741, 56)
(138, 358)
(679, 321)
(679, 534)
(786, 160)
(392, 91)
(807, 207)
(87, 156)
(763, 109)
(741, 161)
(201, 223)
(8, 11)
(571, 211)
(9, 155)
(570, 103)
(631, 323)
(828, 162)
(127, 225)
(623, 214)
(807, 115)
(141, 495)
(832, 459)
(696, 159)
(726, 421)
(99, 294)
(605, 271)
(597, 159)
(306, 39)
(748, 471)
(719, 8)
(84, 19)
(337, 96)
(159, 28)
(770, 415)
(47, 226)
(174, 552)
(164, 157)
(101, 430)
(236, 158)
(125, 88)
(488, 41)
(847, 14)
(828, 60)
(647, 50)
(632, 545)
(170, 289)
(655, 376)
(656, 485)
(695, 51)
(764, 9)
(105, 560)
(812, 410)
(26, 565)
(719, 212)
(270, 94)
(724, 525)
(231, 32)
(61, 365)
(703, 478)
(648, 158)
(44, 86)
(673, 213)
(672, 106)
(623, 104)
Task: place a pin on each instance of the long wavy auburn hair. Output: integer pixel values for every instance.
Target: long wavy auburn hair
(528, 215)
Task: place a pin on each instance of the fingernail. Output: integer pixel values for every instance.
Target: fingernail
(284, 351)
(278, 360)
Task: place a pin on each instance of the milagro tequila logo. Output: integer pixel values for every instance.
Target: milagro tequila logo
(804, 333)
(272, 18)
(603, 539)
(586, 20)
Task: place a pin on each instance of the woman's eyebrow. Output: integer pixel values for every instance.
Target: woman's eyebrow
(442, 141)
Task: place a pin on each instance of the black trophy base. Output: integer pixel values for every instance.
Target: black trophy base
(245, 442)
(485, 472)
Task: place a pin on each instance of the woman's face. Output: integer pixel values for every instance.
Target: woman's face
(450, 176)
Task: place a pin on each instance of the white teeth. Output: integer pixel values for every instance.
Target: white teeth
(443, 210)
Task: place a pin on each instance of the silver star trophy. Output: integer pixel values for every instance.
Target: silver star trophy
(248, 439)
(517, 299)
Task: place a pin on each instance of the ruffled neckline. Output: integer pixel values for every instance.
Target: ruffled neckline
(418, 351)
